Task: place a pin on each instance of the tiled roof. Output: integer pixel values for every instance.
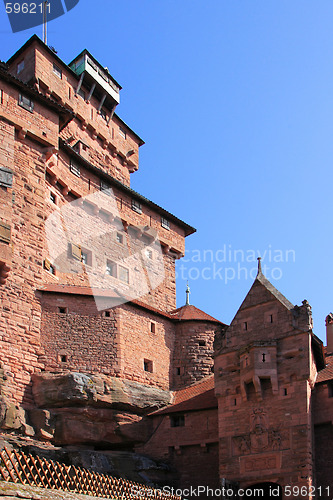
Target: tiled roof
(79, 290)
(190, 313)
(199, 396)
(278, 295)
(326, 373)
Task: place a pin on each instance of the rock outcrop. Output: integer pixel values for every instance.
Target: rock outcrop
(78, 408)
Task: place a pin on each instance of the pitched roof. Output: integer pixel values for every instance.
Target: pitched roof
(262, 280)
(327, 373)
(199, 396)
(192, 313)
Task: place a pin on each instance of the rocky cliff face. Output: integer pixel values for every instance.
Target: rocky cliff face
(76, 408)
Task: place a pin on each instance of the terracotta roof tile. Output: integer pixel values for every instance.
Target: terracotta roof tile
(192, 313)
(199, 396)
(326, 373)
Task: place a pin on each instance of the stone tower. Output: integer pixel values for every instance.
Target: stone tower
(267, 357)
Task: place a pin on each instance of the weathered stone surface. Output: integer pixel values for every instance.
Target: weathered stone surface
(8, 491)
(52, 390)
(98, 426)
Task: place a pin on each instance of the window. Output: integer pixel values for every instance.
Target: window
(82, 94)
(123, 274)
(149, 253)
(63, 358)
(57, 71)
(202, 343)
(6, 177)
(5, 232)
(26, 103)
(250, 391)
(86, 257)
(107, 314)
(245, 325)
(165, 223)
(122, 132)
(53, 197)
(62, 310)
(136, 206)
(330, 389)
(75, 251)
(105, 187)
(148, 365)
(111, 268)
(20, 67)
(75, 168)
(177, 421)
(103, 114)
(178, 370)
(119, 238)
(49, 267)
(153, 327)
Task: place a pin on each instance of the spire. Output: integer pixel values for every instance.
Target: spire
(259, 267)
(188, 291)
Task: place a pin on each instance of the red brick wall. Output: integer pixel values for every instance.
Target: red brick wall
(324, 459)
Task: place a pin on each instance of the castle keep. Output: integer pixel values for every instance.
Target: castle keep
(94, 351)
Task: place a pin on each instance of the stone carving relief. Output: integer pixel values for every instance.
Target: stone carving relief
(261, 438)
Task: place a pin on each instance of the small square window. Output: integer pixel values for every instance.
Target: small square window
(153, 327)
(136, 206)
(202, 343)
(62, 310)
(103, 114)
(53, 197)
(75, 168)
(148, 365)
(119, 238)
(178, 370)
(57, 71)
(149, 253)
(123, 274)
(122, 132)
(49, 267)
(165, 223)
(26, 103)
(86, 257)
(105, 187)
(111, 268)
(20, 67)
(63, 358)
(177, 421)
(107, 314)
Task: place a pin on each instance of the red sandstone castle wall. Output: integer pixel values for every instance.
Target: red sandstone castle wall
(193, 354)
(265, 424)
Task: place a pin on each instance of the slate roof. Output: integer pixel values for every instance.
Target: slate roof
(199, 396)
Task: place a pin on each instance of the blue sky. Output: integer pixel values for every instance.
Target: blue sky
(234, 99)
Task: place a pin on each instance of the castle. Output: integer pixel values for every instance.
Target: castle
(93, 349)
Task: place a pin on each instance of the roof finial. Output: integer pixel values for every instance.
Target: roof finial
(259, 266)
(188, 291)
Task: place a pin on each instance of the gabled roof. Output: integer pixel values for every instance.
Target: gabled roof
(192, 313)
(262, 280)
(199, 396)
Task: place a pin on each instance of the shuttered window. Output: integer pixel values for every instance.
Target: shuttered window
(76, 251)
(6, 177)
(4, 232)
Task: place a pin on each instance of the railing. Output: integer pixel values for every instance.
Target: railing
(17, 467)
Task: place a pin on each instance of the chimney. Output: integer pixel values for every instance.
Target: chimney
(329, 333)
